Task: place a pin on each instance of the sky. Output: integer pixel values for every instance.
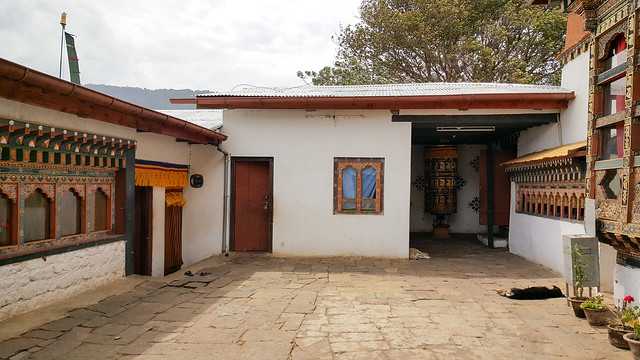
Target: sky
(196, 44)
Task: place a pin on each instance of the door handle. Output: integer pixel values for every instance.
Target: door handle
(267, 202)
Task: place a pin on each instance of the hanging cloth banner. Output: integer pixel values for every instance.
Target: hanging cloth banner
(174, 198)
(153, 173)
(74, 67)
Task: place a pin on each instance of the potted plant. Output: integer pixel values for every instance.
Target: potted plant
(625, 319)
(597, 312)
(579, 275)
(633, 339)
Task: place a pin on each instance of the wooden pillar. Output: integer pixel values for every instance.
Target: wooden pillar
(490, 195)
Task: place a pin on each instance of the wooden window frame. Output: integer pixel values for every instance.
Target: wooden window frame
(358, 164)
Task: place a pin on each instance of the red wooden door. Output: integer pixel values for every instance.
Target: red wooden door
(501, 188)
(252, 205)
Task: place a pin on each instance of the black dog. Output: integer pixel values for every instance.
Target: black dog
(532, 293)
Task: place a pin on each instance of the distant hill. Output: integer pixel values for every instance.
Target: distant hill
(149, 98)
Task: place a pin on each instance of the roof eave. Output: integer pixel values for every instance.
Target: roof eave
(545, 101)
(23, 84)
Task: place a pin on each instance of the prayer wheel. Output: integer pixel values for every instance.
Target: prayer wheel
(441, 163)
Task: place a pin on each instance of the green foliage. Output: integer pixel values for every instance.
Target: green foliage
(594, 303)
(629, 316)
(636, 331)
(400, 41)
(579, 273)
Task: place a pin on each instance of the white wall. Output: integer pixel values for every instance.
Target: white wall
(202, 216)
(303, 145)
(627, 282)
(157, 248)
(572, 127)
(156, 147)
(539, 239)
(14, 110)
(575, 76)
(465, 220)
(32, 284)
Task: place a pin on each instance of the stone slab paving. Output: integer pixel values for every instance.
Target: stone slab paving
(259, 307)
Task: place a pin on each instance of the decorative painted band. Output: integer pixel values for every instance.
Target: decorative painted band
(62, 250)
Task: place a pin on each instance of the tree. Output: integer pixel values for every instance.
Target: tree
(400, 41)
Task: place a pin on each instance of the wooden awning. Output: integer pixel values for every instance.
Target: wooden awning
(549, 155)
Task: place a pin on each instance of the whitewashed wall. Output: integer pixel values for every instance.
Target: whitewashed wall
(303, 145)
(572, 127)
(537, 238)
(157, 246)
(627, 282)
(466, 220)
(14, 110)
(202, 217)
(35, 283)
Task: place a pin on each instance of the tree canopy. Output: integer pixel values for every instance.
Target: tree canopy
(400, 41)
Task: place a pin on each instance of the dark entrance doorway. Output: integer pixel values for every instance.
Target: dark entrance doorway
(251, 204)
(143, 234)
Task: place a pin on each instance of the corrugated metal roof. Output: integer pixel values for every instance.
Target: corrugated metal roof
(384, 90)
(210, 119)
(548, 154)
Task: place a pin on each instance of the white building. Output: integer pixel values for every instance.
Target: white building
(294, 143)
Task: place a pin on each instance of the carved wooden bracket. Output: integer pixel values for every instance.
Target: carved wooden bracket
(79, 189)
(10, 191)
(47, 189)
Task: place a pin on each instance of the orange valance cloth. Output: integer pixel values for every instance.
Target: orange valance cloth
(150, 173)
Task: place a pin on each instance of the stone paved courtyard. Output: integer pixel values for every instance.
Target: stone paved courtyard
(259, 307)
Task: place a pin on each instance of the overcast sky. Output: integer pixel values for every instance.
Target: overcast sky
(197, 44)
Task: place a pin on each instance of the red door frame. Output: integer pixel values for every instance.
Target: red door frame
(234, 160)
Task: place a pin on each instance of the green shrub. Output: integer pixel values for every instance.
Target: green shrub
(594, 303)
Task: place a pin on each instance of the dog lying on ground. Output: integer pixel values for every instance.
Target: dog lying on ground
(532, 293)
